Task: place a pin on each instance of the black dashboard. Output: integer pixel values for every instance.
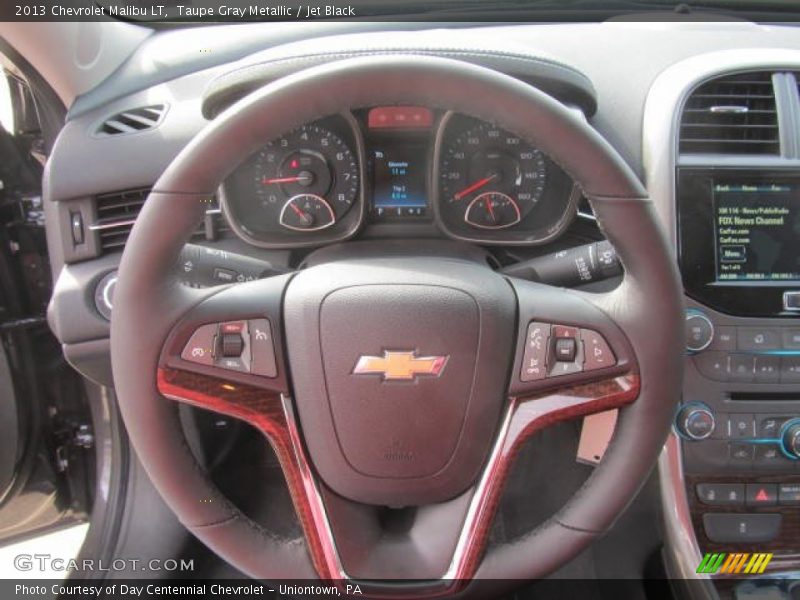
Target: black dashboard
(399, 165)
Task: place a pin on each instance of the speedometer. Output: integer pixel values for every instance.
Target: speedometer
(488, 160)
(495, 187)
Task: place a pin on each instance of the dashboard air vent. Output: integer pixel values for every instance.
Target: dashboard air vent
(735, 114)
(133, 121)
(117, 212)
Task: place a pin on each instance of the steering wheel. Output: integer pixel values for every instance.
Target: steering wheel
(406, 380)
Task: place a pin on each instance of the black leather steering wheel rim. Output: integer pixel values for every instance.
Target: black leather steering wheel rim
(148, 299)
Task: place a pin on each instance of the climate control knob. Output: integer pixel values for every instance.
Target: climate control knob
(790, 438)
(695, 421)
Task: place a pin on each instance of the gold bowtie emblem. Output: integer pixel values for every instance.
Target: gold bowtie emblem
(400, 366)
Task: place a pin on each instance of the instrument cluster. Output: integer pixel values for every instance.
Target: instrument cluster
(326, 180)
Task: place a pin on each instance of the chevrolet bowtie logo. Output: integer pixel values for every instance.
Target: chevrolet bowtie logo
(400, 366)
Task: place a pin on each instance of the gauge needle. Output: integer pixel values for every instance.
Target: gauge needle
(490, 207)
(304, 217)
(477, 185)
(282, 180)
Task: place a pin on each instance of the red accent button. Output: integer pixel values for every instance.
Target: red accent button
(761, 494)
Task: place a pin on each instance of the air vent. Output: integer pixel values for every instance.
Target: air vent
(117, 212)
(133, 121)
(732, 115)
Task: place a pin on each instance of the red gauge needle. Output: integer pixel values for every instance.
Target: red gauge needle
(304, 217)
(477, 185)
(490, 208)
(282, 180)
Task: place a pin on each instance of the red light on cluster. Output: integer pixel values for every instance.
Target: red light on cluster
(400, 117)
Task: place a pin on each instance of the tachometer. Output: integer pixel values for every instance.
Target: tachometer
(310, 162)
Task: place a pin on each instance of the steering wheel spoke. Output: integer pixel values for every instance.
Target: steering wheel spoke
(232, 337)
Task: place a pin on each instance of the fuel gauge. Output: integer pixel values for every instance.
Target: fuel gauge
(492, 210)
(307, 212)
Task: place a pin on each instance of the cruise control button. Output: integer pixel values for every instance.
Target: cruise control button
(721, 494)
(566, 348)
(768, 369)
(742, 367)
(757, 338)
(725, 528)
(200, 347)
(231, 345)
(232, 364)
(789, 494)
(262, 348)
(713, 365)
(761, 494)
(597, 353)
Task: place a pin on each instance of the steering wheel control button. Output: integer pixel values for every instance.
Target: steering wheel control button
(695, 421)
(534, 360)
(725, 528)
(262, 348)
(233, 346)
(566, 349)
(200, 347)
(598, 354)
(565, 339)
(699, 331)
(761, 494)
(757, 338)
(721, 494)
(789, 494)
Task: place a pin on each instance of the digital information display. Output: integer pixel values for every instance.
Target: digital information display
(757, 230)
(399, 182)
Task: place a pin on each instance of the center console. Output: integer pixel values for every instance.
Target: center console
(738, 234)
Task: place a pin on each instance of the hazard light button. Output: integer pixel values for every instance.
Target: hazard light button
(761, 494)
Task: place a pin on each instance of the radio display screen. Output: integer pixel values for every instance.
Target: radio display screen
(757, 231)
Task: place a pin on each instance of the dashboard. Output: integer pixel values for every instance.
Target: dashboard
(326, 180)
